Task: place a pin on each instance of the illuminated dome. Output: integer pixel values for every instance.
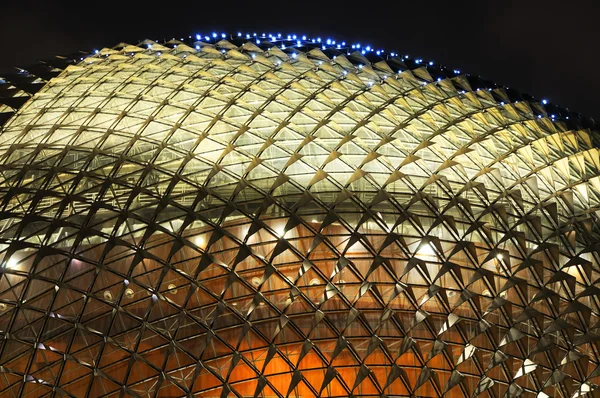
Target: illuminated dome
(280, 216)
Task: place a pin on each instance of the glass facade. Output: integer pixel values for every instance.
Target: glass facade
(231, 218)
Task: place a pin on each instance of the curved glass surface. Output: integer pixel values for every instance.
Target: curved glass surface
(250, 222)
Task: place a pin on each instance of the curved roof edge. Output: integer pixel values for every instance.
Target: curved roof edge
(18, 86)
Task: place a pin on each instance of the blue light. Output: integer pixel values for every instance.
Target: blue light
(325, 43)
(544, 101)
(294, 55)
(96, 51)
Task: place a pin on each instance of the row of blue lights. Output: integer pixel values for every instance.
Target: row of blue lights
(299, 40)
(326, 43)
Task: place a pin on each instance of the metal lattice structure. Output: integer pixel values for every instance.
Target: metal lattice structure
(232, 218)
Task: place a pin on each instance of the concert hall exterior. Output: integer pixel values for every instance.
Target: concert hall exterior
(273, 216)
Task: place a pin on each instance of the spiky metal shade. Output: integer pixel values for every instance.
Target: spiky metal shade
(246, 220)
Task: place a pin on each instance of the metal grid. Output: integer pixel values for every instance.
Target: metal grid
(239, 220)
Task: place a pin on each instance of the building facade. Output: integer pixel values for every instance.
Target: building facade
(265, 216)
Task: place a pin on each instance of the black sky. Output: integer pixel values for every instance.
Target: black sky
(549, 49)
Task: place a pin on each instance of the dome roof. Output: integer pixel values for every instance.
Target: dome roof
(274, 217)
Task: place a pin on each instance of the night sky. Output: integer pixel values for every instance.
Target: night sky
(549, 49)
